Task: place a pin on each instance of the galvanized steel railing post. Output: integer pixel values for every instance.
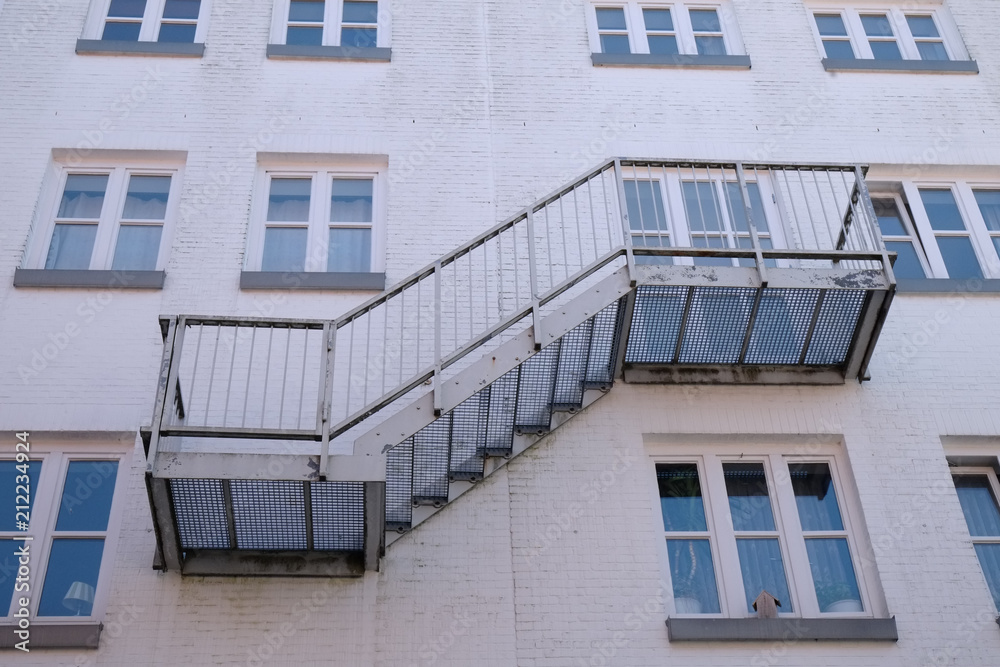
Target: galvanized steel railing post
(536, 319)
(626, 229)
(437, 334)
(325, 404)
(751, 225)
(866, 201)
(165, 392)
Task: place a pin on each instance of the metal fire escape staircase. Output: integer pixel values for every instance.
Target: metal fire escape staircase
(301, 447)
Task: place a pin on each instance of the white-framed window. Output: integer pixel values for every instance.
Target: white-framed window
(887, 31)
(698, 208)
(102, 215)
(75, 503)
(978, 490)
(664, 28)
(319, 220)
(174, 21)
(347, 23)
(940, 228)
(759, 519)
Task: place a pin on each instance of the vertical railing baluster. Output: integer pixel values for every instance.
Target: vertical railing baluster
(246, 389)
(350, 364)
(536, 319)
(548, 241)
(608, 224)
(517, 271)
(437, 337)
(284, 377)
(194, 371)
(229, 382)
(751, 224)
(593, 223)
(211, 376)
(579, 231)
(267, 375)
(826, 213)
(324, 406)
(872, 223)
(623, 211)
(302, 381)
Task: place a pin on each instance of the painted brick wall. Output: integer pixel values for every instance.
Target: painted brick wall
(485, 107)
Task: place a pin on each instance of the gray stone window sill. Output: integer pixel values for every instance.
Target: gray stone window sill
(781, 629)
(54, 636)
(114, 47)
(103, 279)
(679, 61)
(926, 66)
(312, 281)
(946, 286)
(357, 53)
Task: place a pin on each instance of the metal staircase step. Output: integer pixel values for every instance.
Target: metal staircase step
(468, 437)
(500, 420)
(535, 390)
(431, 454)
(574, 354)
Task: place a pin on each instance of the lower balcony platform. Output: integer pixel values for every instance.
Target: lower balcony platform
(724, 325)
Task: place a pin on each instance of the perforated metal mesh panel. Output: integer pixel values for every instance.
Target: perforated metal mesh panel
(338, 513)
(199, 506)
(603, 339)
(534, 395)
(716, 324)
(572, 369)
(468, 436)
(399, 485)
(502, 407)
(781, 326)
(656, 322)
(269, 515)
(838, 318)
(430, 462)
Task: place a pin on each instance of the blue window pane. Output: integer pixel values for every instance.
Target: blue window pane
(658, 19)
(692, 574)
(124, 32)
(907, 263)
(71, 247)
(710, 46)
(833, 575)
(350, 250)
(978, 505)
(147, 198)
(889, 219)
(922, 26)
(959, 257)
(87, 495)
(841, 49)
(83, 196)
(137, 248)
(177, 33)
(308, 11)
(831, 25)
(299, 36)
(9, 473)
(701, 204)
(749, 502)
(663, 45)
(127, 9)
(284, 249)
(989, 560)
(876, 25)
(734, 200)
(680, 497)
(932, 51)
(815, 496)
(644, 202)
(181, 9)
(615, 44)
(611, 18)
(942, 210)
(763, 570)
(8, 572)
(989, 206)
(351, 200)
(360, 12)
(747, 242)
(886, 51)
(71, 577)
(705, 20)
(362, 38)
(289, 200)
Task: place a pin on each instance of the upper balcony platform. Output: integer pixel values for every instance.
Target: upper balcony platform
(287, 447)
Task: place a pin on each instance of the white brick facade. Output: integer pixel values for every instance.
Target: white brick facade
(556, 559)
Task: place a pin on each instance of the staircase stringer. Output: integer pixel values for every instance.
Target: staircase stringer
(377, 441)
